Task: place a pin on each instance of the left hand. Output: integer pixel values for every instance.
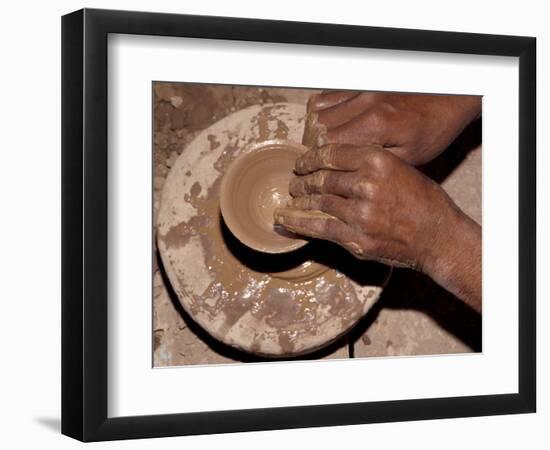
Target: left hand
(372, 203)
(417, 128)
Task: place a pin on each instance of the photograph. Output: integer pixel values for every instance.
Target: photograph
(308, 224)
(244, 225)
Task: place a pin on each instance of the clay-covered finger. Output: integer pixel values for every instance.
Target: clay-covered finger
(314, 224)
(344, 184)
(343, 209)
(319, 225)
(332, 156)
(320, 182)
(328, 99)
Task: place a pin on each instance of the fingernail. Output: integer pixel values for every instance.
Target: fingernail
(278, 218)
(322, 138)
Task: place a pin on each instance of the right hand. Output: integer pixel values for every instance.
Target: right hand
(380, 208)
(376, 206)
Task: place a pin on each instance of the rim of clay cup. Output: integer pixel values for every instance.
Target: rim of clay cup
(225, 203)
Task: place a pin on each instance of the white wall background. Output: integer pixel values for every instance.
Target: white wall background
(30, 226)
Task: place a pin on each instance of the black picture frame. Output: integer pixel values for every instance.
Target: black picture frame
(84, 224)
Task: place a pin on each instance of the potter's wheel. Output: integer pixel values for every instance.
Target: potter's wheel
(274, 305)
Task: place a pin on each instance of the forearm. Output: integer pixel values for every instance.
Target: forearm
(456, 264)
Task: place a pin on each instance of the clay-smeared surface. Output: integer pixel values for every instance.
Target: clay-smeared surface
(252, 188)
(234, 292)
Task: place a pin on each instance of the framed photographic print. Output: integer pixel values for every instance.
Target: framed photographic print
(274, 224)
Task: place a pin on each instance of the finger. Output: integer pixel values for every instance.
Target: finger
(328, 99)
(314, 132)
(344, 184)
(343, 112)
(320, 226)
(314, 224)
(343, 209)
(333, 156)
(370, 127)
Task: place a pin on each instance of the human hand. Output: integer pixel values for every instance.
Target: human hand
(417, 128)
(375, 205)
(380, 208)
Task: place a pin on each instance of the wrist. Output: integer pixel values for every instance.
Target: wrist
(454, 260)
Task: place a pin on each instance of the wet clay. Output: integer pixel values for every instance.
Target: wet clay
(255, 185)
(314, 132)
(274, 305)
